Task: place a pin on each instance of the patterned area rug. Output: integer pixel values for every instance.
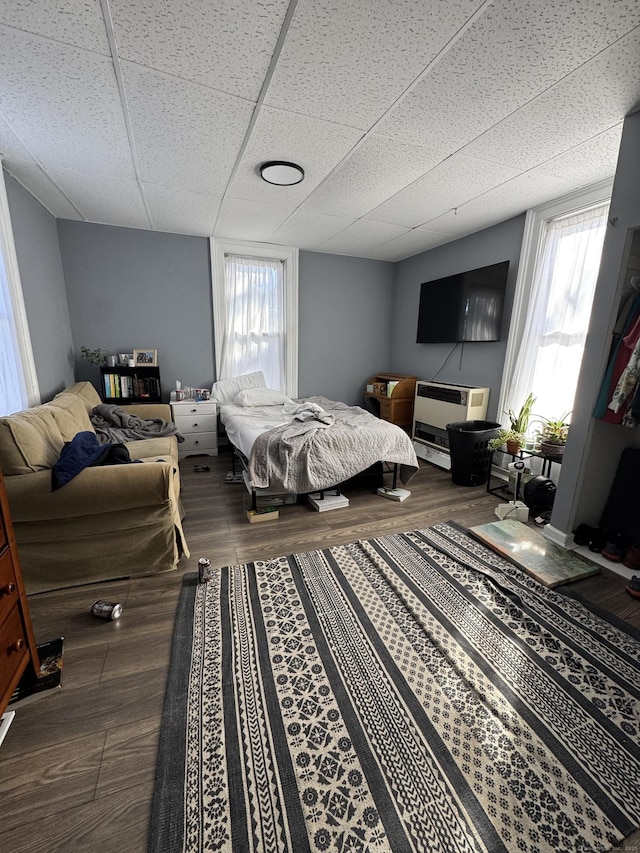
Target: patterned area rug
(414, 692)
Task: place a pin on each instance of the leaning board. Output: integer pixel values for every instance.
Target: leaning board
(547, 562)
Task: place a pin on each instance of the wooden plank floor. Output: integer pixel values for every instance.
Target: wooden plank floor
(77, 767)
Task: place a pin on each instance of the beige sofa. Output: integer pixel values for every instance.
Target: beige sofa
(110, 521)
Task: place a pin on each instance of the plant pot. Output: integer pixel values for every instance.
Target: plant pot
(513, 448)
(551, 451)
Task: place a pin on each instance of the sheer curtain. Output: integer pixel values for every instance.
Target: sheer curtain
(18, 381)
(548, 362)
(254, 323)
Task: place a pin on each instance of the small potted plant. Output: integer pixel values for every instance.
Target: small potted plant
(94, 356)
(514, 437)
(553, 436)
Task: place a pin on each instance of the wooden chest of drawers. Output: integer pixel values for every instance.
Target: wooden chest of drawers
(17, 642)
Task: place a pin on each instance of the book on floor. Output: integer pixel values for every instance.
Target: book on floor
(31, 688)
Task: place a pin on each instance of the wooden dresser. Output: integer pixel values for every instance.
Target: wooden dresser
(395, 393)
(17, 641)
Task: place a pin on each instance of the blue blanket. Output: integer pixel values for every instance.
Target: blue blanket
(85, 451)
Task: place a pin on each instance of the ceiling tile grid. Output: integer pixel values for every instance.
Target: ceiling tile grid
(226, 45)
(63, 103)
(415, 122)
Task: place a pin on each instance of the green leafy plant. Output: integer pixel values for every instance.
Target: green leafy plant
(94, 356)
(554, 430)
(520, 422)
(506, 436)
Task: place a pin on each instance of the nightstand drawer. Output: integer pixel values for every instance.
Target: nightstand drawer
(198, 422)
(189, 408)
(199, 442)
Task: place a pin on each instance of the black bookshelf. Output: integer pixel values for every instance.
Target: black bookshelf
(130, 385)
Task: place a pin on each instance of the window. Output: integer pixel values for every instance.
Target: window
(556, 282)
(255, 304)
(18, 381)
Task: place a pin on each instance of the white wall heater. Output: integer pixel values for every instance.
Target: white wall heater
(438, 404)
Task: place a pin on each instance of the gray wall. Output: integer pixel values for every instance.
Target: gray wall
(36, 240)
(131, 288)
(594, 447)
(345, 309)
(472, 363)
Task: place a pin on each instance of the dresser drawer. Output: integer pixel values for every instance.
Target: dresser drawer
(198, 422)
(13, 648)
(199, 442)
(207, 407)
(8, 586)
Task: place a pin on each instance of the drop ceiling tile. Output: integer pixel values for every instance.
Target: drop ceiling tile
(499, 204)
(511, 54)
(349, 62)
(243, 219)
(76, 22)
(369, 175)
(308, 229)
(65, 102)
(568, 113)
(592, 161)
(316, 145)
(447, 186)
(227, 45)
(181, 212)
(407, 245)
(104, 199)
(40, 185)
(185, 135)
(361, 237)
(10, 144)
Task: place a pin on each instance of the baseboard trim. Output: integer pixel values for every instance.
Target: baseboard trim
(565, 540)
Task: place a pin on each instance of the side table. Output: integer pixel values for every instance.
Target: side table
(198, 423)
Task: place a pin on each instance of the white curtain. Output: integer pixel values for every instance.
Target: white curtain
(18, 382)
(254, 323)
(564, 282)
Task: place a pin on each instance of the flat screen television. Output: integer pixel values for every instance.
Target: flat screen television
(463, 307)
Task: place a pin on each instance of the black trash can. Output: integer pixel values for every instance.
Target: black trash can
(470, 455)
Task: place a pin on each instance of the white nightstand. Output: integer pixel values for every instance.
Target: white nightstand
(198, 423)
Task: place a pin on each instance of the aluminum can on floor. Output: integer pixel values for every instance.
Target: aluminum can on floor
(106, 610)
(204, 569)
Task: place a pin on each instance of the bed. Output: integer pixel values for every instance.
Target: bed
(306, 445)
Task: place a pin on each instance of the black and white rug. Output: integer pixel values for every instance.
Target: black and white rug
(414, 692)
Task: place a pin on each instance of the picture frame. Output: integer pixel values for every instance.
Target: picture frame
(145, 357)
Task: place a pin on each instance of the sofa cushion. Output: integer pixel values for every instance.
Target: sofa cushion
(29, 441)
(85, 392)
(70, 414)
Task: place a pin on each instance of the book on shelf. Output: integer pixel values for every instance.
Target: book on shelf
(30, 687)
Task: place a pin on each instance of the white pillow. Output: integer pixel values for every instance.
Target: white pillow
(225, 390)
(260, 397)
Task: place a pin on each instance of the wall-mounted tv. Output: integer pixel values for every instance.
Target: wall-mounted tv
(463, 307)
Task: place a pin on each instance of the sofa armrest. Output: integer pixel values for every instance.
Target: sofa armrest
(98, 490)
(150, 410)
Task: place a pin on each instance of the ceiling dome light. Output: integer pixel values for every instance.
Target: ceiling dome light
(281, 174)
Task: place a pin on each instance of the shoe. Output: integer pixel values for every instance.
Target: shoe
(583, 534)
(615, 549)
(634, 587)
(598, 539)
(632, 558)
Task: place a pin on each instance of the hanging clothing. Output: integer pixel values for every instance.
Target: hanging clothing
(618, 361)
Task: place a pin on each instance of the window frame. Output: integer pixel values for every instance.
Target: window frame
(289, 256)
(535, 221)
(19, 321)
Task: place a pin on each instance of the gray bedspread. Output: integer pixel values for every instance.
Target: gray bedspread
(306, 456)
(113, 424)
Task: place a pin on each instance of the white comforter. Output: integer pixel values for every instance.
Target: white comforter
(290, 455)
